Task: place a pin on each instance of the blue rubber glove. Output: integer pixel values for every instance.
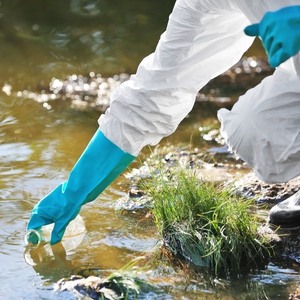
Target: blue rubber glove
(99, 165)
(280, 33)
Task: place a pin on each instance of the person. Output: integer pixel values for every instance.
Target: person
(202, 40)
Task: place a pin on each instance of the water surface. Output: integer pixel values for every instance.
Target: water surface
(39, 144)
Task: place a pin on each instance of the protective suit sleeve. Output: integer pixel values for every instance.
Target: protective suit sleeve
(202, 40)
(279, 32)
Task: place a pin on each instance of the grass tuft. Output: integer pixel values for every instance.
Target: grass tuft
(126, 283)
(208, 225)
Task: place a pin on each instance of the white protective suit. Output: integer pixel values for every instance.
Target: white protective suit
(203, 39)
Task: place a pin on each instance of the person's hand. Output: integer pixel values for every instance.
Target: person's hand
(280, 33)
(99, 165)
(55, 208)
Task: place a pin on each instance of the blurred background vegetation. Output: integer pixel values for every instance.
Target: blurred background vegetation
(41, 39)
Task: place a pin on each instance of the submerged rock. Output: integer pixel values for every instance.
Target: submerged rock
(133, 200)
(124, 285)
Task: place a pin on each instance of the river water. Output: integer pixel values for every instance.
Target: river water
(40, 142)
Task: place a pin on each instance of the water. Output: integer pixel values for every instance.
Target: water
(39, 144)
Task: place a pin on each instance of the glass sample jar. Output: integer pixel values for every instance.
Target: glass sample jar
(34, 238)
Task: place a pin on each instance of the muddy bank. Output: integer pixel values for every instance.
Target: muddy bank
(287, 243)
(251, 186)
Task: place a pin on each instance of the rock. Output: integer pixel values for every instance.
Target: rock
(250, 185)
(123, 285)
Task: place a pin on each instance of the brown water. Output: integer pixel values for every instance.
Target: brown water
(39, 144)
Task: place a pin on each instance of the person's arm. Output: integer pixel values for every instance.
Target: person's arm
(99, 165)
(280, 33)
(202, 40)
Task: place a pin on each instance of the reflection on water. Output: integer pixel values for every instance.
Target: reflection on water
(49, 262)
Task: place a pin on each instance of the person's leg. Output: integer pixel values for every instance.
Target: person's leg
(202, 40)
(263, 128)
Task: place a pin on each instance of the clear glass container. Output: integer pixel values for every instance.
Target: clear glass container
(34, 238)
